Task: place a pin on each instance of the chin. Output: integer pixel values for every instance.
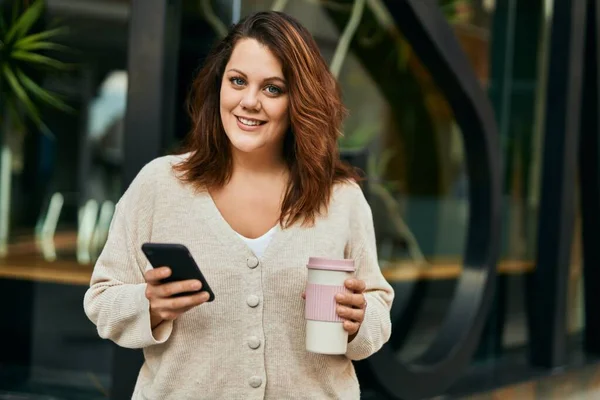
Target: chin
(245, 145)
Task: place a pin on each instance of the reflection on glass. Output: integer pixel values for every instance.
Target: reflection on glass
(105, 129)
(105, 134)
(63, 201)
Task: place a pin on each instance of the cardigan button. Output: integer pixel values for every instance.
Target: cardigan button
(252, 300)
(252, 262)
(253, 342)
(255, 381)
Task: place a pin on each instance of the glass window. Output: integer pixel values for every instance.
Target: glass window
(65, 175)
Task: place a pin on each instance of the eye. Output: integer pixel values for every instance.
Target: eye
(237, 81)
(272, 89)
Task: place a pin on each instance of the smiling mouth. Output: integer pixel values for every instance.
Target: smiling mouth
(250, 121)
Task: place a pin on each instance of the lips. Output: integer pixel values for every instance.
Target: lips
(250, 122)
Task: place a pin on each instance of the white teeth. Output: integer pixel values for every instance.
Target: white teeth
(249, 122)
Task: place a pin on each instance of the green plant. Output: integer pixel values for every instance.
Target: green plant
(23, 53)
(360, 137)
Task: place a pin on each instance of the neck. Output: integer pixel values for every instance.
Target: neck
(263, 163)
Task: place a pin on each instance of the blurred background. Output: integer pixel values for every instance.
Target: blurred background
(71, 143)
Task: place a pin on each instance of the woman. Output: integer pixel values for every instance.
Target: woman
(259, 190)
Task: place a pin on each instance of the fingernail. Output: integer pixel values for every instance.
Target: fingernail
(339, 296)
(196, 285)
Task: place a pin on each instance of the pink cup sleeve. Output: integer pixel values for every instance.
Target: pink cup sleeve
(320, 302)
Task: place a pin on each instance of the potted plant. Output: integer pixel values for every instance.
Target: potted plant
(24, 57)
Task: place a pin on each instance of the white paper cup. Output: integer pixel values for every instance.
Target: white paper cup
(325, 332)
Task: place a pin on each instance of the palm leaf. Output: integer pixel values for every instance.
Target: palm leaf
(21, 94)
(35, 37)
(42, 94)
(24, 23)
(40, 60)
(40, 45)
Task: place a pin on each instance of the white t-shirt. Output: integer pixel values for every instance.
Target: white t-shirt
(259, 245)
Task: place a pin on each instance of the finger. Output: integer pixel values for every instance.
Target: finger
(184, 303)
(172, 288)
(203, 297)
(170, 308)
(351, 327)
(155, 275)
(351, 314)
(352, 300)
(355, 285)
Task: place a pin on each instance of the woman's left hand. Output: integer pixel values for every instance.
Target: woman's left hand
(351, 306)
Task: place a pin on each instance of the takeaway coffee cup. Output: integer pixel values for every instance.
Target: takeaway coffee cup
(325, 332)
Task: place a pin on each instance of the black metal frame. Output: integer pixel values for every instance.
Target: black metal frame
(432, 39)
(154, 31)
(589, 175)
(513, 61)
(548, 284)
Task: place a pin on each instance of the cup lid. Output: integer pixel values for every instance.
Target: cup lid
(327, 264)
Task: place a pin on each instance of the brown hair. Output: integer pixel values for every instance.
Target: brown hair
(316, 114)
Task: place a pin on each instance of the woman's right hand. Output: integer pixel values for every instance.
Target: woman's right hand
(163, 307)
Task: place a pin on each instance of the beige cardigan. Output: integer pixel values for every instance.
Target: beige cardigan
(248, 343)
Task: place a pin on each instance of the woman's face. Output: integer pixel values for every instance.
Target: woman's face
(254, 99)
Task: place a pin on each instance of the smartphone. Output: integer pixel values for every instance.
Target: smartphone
(180, 260)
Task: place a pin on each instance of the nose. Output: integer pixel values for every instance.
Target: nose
(250, 100)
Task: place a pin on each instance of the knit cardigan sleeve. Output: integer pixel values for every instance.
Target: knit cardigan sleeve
(376, 328)
(116, 301)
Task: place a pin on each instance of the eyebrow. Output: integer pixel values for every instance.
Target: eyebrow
(272, 78)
